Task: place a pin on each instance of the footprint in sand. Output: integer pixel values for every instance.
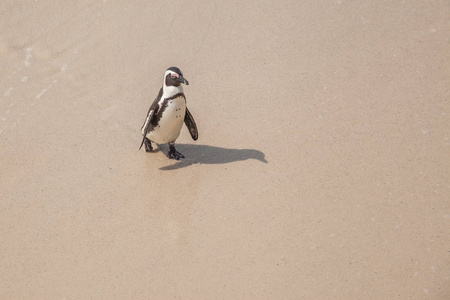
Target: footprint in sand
(8, 92)
(28, 56)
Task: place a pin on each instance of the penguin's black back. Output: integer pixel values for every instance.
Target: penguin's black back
(175, 69)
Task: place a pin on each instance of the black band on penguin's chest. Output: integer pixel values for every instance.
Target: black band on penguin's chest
(165, 103)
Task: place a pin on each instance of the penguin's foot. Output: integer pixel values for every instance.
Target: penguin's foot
(174, 154)
(148, 145)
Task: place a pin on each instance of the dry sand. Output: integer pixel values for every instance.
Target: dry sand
(347, 101)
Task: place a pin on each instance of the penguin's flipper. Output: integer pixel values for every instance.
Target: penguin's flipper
(151, 112)
(146, 126)
(190, 123)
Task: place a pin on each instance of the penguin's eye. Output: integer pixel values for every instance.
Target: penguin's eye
(173, 76)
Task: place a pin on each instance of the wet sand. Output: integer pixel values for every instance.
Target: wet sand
(321, 169)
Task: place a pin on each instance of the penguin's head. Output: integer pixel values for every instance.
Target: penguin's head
(174, 77)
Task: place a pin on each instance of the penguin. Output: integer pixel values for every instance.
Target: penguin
(167, 114)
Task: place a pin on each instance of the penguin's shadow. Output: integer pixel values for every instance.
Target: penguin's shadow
(203, 154)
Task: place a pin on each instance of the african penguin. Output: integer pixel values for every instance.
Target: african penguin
(167, 114)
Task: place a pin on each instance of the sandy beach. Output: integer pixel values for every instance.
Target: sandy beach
(322, 168)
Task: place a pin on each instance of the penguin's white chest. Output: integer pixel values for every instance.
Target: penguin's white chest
(172, 119)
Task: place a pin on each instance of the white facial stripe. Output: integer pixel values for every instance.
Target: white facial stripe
(172, 73)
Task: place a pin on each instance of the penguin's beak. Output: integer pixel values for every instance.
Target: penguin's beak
(181, 79)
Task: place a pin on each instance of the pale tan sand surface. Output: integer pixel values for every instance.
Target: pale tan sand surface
(321, 170)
